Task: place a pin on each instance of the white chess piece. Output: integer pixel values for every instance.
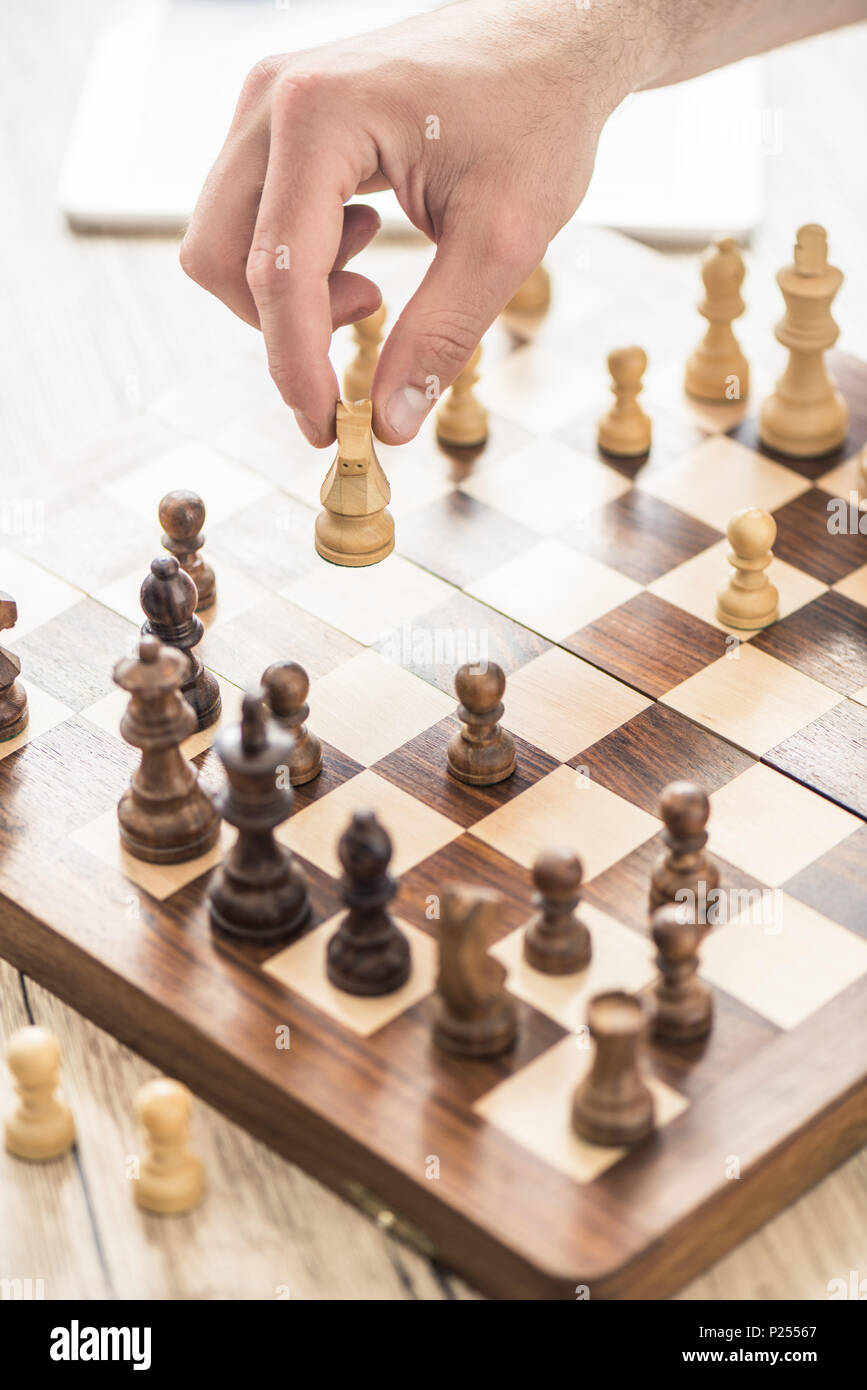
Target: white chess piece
(171, 1177)
(462, 420)
(625, 429)
(717, 370)
(368, 334)
(40, 1126)
(748, 599)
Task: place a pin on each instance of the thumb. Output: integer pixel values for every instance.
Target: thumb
(473, 275)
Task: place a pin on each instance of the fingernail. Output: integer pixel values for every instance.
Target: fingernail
(406, 409)
(307, 427)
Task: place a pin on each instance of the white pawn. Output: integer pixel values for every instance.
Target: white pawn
(748, 599)
(171, 1178)
(41, 1124)
(625, 429)
(534, 296)
(368, 334)
(462, 420)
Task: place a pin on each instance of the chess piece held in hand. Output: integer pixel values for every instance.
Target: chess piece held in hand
(717, 370)
(613, 1104)
(368, 335)
(556, 942)
(481, 753)
(474, 1016)
(182, 516)
(748, 599)
(13, 696)
(625, 430)
(40, 1125)
(806, 416)
(355, 527)
(171, 1178)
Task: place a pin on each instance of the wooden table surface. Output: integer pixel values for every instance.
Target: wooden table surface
(93, 329)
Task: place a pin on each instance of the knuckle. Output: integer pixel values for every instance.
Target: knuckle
(196, 262)
(448, 342)
(299, 91)
(262, 272)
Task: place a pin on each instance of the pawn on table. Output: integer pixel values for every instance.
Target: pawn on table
(182, 516)
(683, 1003)
(164, 815)
(748, 599)
(168, 597)
(625, 430)
(286, 686)
(685, 866)
(481, 753)
(461, 419)
(613, 1105)
(259, 894)
(368, 954)
(473, 1014)
(534, 295)
(717, 370)
(40, 1125)
(556, 942)
(13, 696)
(171, 1178)
(368, 334)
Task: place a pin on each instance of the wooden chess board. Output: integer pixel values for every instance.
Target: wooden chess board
(591, 582)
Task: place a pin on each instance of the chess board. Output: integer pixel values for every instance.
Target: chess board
(591, 581)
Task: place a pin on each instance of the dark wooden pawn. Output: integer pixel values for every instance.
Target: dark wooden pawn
(368, 954)
(683, 1002)
(481, 753)
(182, 516)
(473, 1014)
(13, 696)
(168, 597)
(684, 866)
(260, 894)
(556, 942)
(613, 1104)
(164, 816)
(286, 686)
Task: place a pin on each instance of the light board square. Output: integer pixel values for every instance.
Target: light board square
(694, 584)
(369, 706)
(107, 713)
(416, 831)
(567, 809)
(563, 704)
(44, 713)
(553, 589)
(101, 838)
(722, 477)
(785, 966)
(371, 602)
(235, 594)
(224, 486)
(546, 484)
(773, 827)
(39, 596)
(622, 959)
(536, 389)
(301, 967)
(751, 698)
(534, 1107)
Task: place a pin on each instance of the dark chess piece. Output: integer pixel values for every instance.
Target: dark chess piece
(481, 753)
(168, 597)
(368, 954)
(556, 942)
(182, 516)
(613, 1104)
(685, 866)
(683, 1003)
(13, 696)
(286, 686)
(165, 817)
(260, 894)
(474, 1016)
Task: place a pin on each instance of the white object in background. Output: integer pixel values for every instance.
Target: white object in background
(164, 77)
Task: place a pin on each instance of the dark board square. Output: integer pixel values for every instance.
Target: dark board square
(466, 860)
(659, 746)
(648, 643)
(274, 629)
(459, 538)
(640, 536)
(419, 767)
(830, 756)
(694, 1068)
(836, 884)
(464, 630)
(72, 656)
(826, 640)
(804, 540)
